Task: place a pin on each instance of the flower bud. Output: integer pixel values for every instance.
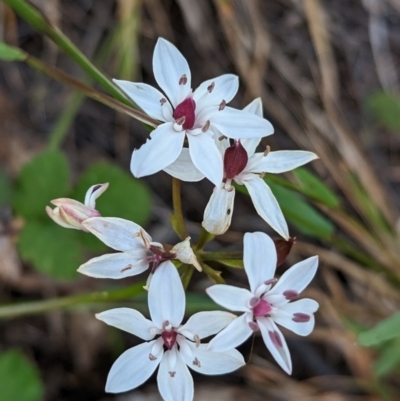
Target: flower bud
(70, 213)
(185, 253)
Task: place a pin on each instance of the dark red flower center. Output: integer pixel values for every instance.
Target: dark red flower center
(184, 113)
(169, 338)
(262, 308)
(156, 256)
(235, 160)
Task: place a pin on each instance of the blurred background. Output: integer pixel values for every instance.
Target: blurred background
(328, 74)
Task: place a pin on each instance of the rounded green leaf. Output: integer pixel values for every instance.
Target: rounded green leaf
(126, 196)
(44, 178)
(19, 378)
(53, 250)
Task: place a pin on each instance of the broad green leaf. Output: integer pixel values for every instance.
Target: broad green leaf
(389, 359)
(314, 188)
(10, 53)
(383, 331)
(53, 250)
(126, 196)
(19, 378)
(44, 178)
(386, 108)
(5, 189)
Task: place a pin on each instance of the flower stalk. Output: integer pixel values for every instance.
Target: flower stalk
(178, 219)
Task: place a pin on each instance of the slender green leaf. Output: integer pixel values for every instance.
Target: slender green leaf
(389, 359)
(314, 188)
(44, 178)
(11, 53)
(19, 378)
(53, 250)
(383, 331)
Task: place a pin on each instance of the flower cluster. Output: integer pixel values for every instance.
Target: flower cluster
(198, 137)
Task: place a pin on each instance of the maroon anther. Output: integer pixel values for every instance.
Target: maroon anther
(235, 160)
(156, 256)
(262, 308)
(169, 338)
(186, 109)
(301, 317)
(254, 326)
(290, 294)
(275, 338)
(270, 281)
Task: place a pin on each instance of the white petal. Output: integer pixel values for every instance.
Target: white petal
(219, 210)
(184, 169)
(250, 145)
(255, 107)
(223, 87)
(166, 296)
(230, 297)
(176, 385)
(116, 233)
(129, 320)
(238, 124)
(266, 205)
(232, 336)
(185, 254)
(146, 97)
(212, 363)
(169, 66)
(280, 161)
(132, 368)
(206, 156)
(159, 152)
(93, 193)
(297, 277)
(280, 354)
(259, 258)
(204, 324)
(284, 316)
(116, 265)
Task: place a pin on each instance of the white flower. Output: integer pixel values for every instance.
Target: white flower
(264, 306)
(245, 167)
(137, 251)
(175, 348)
(70, 213)
(193, 115)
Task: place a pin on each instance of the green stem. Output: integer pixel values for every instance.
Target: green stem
(66, 79)
(179, 220)
(236, 255)
(204, 237)
(35, 18)
(37, 307)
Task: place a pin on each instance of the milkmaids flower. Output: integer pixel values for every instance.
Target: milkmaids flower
(267, 302)
(70, 213)
(176, 347)
(184, 113)
(246, 167)
(137, 251)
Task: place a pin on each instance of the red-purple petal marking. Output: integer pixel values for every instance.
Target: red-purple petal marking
(275, 338)
(186, 109)
(270, 281)
(169, 338)
(235, 160)
(262, 308)
(254, 326)
(301, 317)
(291, 294)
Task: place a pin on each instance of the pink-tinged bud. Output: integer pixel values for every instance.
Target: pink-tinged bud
(185, 112)
(70, 213)
(169, 338)
(275, 338)
(301, 317)
(290, 295)
(235, 160)
(262, 308)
